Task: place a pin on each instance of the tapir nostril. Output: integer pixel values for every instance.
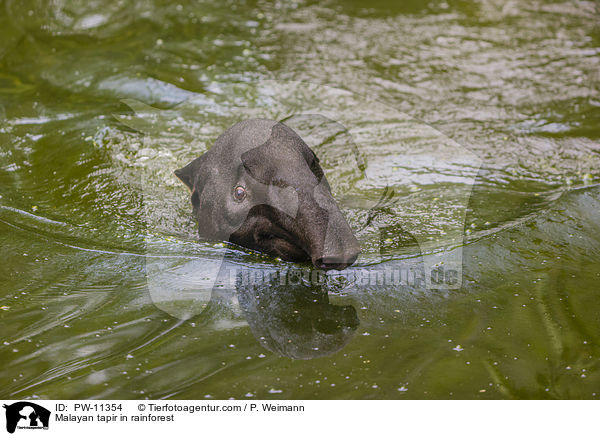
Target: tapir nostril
(336, 262)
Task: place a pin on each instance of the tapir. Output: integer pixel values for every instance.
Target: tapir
(260, 186)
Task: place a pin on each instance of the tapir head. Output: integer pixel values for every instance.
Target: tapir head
(260, 186)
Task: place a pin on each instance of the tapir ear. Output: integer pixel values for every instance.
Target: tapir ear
(189, 173)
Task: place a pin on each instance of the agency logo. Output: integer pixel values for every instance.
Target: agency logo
(26, 415)
(404, 188)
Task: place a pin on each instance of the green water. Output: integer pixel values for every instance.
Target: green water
(100, 101)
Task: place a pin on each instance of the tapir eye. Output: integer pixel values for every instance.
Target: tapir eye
(239, 193)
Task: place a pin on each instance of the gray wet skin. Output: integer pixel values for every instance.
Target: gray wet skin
(260, 186)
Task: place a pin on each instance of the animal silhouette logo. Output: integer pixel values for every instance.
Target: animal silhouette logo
(26, 415)
(385, 172)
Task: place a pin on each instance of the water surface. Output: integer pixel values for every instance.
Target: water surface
(101, 101)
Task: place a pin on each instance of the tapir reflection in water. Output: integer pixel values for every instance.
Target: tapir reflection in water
(260, 186)
(297, 320)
